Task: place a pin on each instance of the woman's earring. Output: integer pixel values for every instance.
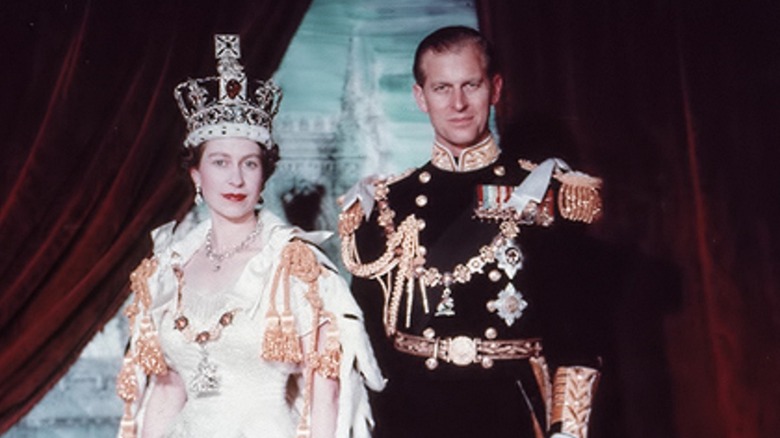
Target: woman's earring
(198, 195)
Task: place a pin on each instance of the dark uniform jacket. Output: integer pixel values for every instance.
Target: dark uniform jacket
(502, 276)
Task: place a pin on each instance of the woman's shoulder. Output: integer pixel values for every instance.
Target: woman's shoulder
(181, 237)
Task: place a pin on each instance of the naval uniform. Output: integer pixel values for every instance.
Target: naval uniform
(472, 286)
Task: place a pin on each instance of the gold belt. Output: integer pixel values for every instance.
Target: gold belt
(463, 351)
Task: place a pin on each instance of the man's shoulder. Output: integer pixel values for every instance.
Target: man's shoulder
(401, 178)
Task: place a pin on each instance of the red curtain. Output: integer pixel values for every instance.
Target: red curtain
(675, 104)
(90, 138)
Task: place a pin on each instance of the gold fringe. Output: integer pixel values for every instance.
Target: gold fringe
(579, 198)
(126, 381)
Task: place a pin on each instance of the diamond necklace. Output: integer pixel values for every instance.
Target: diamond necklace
(216, 258)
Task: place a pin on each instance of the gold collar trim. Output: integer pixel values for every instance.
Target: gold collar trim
(474, 157)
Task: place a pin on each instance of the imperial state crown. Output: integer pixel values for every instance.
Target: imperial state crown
(228, 105)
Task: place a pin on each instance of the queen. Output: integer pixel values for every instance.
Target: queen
(240, 326)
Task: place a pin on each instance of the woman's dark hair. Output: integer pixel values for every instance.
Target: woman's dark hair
(452, 38)
(269, 156)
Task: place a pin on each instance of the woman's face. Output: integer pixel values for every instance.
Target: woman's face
(230, 175)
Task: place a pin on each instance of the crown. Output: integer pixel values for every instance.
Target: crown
(239, 111)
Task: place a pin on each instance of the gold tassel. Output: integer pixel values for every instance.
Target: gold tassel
(127, 390)
(272, 339)
(126, 381)
(149, 352)
(290, 342)
(281, 342)
(127, 426)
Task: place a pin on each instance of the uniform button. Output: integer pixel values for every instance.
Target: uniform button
(421, 224)
(491, 333)
(424, 177)
(429, 333)
(421, 200)
(499, 171)
(422, 251)
(494, 275)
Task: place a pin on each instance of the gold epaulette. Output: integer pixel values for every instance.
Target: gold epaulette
(573, 391)
(579, 197)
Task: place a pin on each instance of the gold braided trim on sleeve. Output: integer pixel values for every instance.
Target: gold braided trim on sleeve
(145, 351)
(573, 391)
(579, 198)
(281, 342)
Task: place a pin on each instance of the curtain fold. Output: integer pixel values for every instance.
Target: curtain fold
(674, 104)
(91, 160)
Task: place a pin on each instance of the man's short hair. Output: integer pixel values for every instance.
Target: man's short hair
(452, 38)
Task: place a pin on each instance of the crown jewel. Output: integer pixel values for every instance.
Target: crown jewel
(238, 111)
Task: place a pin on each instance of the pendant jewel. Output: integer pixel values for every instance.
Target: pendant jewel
(446, 306)
(206, 381)
(509, 257)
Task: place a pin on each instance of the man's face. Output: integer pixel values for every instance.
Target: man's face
(457, 95)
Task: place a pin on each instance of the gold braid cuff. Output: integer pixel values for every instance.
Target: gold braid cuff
(147, 353)
(281, 342)
(573, 390)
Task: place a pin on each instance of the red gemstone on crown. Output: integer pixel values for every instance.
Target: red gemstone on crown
(233, 87)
